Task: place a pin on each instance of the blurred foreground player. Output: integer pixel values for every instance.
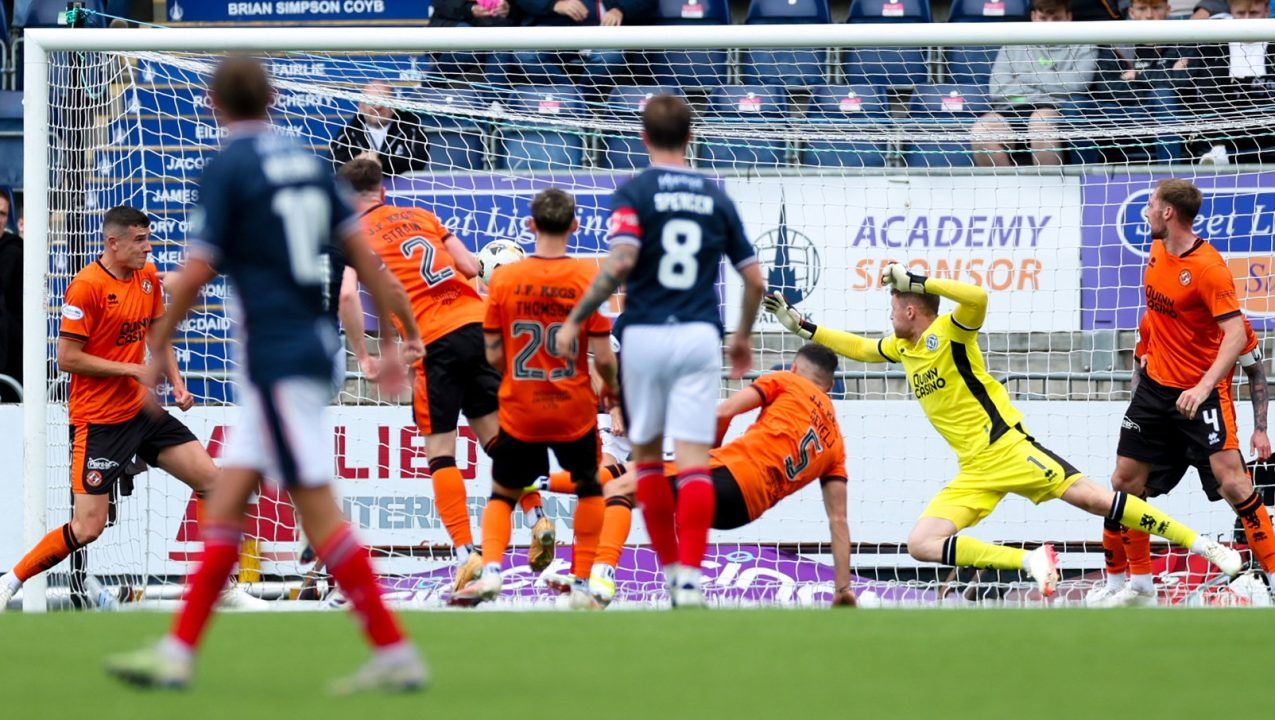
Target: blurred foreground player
(267, 209)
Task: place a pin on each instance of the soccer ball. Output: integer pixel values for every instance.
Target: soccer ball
(497, 253)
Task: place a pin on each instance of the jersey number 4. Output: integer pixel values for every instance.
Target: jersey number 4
(541, 337)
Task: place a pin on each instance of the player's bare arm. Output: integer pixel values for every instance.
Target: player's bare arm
(1233, 339)
(72, 359)
(835, 504)
(392, 374)
(607, 368)
(855, 347)
(749, 398)
(350, 313)
(740, 348)
(614, 271)
(494, 347)
(1259, 394)
(181, 396)
(466, 262)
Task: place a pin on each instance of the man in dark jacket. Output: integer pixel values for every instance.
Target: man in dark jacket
(470, 13)
(597, 64)
(1229, 83)
(10, 303)
(379, 132)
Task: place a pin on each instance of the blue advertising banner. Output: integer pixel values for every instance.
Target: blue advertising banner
(1237, 217)
(297, 11)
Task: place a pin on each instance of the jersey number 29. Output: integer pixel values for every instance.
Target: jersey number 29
(305, 212)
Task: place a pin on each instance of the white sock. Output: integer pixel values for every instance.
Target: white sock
(542, 483)
(398, 653)
(463, 552)
(492, 569)
(1200, 545)
(174, 649)
(10, 581)
(1142, 583)
(1115, 581)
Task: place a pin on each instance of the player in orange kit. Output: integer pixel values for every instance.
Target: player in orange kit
(793, 442)
(436, 269)
(547, 402)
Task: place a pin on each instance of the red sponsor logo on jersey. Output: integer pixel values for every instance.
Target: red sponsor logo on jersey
(624, 221)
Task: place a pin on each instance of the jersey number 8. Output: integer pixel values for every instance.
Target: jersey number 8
(681, 240)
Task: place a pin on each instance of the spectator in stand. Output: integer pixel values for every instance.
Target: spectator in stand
(597, 64)
(1028, 85)
(1205, 9)
(379, 132)
(471, 13)
(10, 302)
(1227, 82)
(1085, 10)
(1144, 75)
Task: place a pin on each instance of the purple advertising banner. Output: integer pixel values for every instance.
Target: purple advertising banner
(1237, 218)
(733, 575)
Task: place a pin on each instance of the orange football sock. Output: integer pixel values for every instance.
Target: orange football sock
(51, 550)
(1257, 527)
(1113, 548)
(497, 528)
(560, 482)
(450, 499)
(616, 522)
(587, 526)
(1137, 548)
(530, 502)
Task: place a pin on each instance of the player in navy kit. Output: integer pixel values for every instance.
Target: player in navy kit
(670, 228)
(267, 210)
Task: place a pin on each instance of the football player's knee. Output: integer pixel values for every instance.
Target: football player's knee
(508, 487)
(923, 546)
(88, 526)
(1235, 486)
(1126, 483)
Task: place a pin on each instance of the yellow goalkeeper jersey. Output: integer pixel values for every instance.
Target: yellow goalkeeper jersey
(946, 372)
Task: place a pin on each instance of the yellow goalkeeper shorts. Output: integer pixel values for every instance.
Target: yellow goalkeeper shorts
(1019, 465)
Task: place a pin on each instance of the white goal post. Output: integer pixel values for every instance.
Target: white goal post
(813, 194)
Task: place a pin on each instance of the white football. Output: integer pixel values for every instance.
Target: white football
(495, 254)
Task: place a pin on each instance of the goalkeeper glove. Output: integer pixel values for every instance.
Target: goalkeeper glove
(897, 277)
(787, 315)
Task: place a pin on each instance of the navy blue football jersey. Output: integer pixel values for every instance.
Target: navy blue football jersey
(682, 224)
(267, 215)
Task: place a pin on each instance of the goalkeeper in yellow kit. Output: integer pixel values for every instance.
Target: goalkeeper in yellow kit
(971, 410)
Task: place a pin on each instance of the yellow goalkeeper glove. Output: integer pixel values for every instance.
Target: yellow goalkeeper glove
(787, 315)
(896, 277)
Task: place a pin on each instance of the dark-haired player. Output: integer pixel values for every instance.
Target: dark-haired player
(107, 313)
(670, 229)
(972, 411)
(267, 209)
(1192, 335)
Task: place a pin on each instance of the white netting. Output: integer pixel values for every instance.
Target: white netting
(842, 161)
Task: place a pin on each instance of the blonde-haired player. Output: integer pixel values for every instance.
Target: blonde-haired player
(972, 411)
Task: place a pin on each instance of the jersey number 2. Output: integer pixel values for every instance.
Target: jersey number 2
(681, 240)
(427, 260)
(305, 212)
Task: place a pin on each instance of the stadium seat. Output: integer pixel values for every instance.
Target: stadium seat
(893, 67)
(738, 104)
(1094, 116)
(455, 142)
(788, 67)
(11, 138)
(848, 107)
(550, 147)
(44, 13)
(625, 104)
(943, 109)
(971, 65)
(690, 68)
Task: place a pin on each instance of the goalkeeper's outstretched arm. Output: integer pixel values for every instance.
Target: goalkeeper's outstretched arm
(855, 347)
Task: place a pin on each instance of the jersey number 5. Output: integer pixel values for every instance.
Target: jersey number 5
(541, 337)
(681, 240)
(810, 446)
(427, 260)
(306, 215)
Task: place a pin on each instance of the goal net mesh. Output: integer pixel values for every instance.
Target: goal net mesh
(1025, 170)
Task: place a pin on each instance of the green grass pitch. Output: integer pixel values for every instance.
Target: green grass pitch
(732, 665)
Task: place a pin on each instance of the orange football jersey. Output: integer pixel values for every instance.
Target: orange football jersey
(1186, 298)
(1223, 385)
(409, 241)
(110, 317)
(543, 397)
(795, 441)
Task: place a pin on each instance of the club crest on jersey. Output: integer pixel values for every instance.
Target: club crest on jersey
(93, 478)
(932, 343)
(1184, 277)
(146, 286)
